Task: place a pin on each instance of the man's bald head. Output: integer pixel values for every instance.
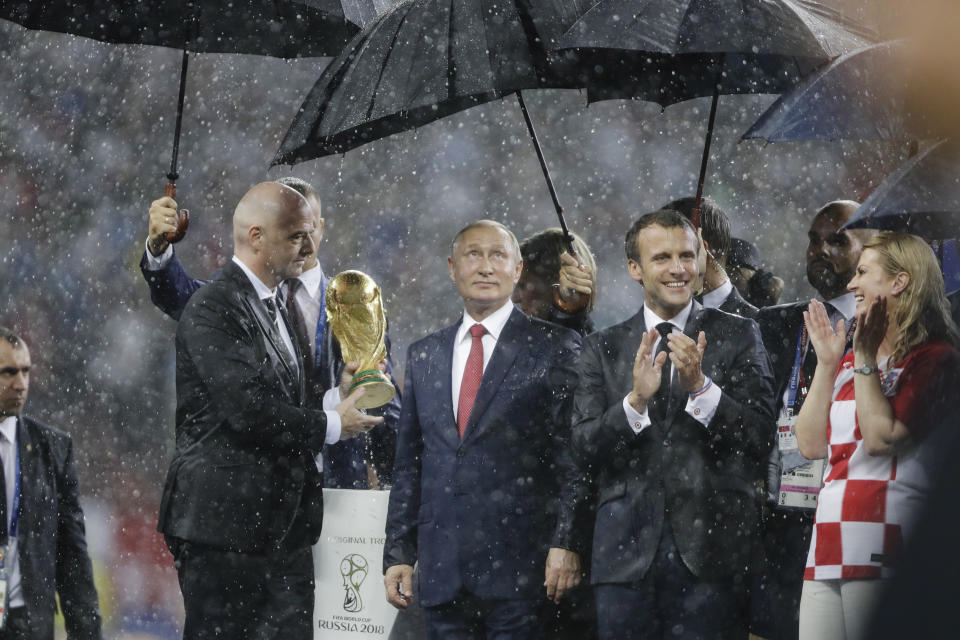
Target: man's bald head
(272, 225)
(832, 253)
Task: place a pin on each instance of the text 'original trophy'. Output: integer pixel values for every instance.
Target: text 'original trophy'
(356, 316)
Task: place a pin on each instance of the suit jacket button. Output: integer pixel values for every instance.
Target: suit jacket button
(461, 452)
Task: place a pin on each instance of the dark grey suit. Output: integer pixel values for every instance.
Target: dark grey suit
(243, 493)
(675, 475)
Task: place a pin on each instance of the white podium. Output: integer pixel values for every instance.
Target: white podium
(348, 562)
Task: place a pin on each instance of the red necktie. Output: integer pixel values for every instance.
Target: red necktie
(472, 374)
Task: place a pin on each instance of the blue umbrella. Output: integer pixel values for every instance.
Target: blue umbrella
(921, 197)
(855, 97)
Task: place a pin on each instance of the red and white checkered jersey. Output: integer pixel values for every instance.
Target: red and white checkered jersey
(867, 503)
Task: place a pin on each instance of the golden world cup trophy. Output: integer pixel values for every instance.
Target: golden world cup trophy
(356, 317)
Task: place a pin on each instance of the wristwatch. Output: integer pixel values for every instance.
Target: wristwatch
(866, 370)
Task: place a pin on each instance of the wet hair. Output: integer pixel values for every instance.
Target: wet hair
(666, 218)
(486, 223)
(743, 253)
(541, 256)
(922, 312)
(8, 335)
(714, 224)
(301, 186)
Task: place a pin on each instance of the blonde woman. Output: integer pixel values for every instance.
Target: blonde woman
(869, 411)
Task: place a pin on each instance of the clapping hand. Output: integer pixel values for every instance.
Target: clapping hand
(871, 330)
(829, 342)
(646, 372)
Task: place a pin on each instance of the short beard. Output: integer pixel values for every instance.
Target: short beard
(827, 282)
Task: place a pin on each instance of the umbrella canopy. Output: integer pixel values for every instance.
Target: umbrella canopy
(425, 60)
(669, 51)
(921, 197)
(278, 28)
(858, 96)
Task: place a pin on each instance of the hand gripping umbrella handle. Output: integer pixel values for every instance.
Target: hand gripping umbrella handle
(183, 217)
(578, 301)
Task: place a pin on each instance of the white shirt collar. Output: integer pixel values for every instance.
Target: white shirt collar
(493, 323)
(680, 320)
(311, 279)
(8, 427)
(713, 299)
(845, 304)
(262, 290)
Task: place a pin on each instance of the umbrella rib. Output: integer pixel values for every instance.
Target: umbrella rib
(383, 67)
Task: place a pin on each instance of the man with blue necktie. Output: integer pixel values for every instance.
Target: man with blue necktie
(345, 463)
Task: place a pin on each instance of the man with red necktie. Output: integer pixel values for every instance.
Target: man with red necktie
(485, 489)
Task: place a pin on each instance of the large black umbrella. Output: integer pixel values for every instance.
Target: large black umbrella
(859, 96)
(669, 51)
(428, 59)
(921, 197)
(277, 28)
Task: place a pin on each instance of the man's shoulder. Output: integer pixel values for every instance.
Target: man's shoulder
(782, 311)
(713, 320)
(224, 290)
(549, 332)
(38, 429)
(615, 334)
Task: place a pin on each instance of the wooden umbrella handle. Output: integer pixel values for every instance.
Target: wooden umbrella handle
(183, 217)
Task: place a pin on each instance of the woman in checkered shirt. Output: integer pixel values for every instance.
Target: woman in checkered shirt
(870, 411)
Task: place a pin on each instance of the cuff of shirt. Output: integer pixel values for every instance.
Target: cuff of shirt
(637, 421)
(155, 263)
(330, 400)
(703, 406)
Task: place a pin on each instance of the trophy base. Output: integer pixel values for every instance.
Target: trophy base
(378, 391)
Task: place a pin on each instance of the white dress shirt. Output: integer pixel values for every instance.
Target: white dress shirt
(713, 299)
(309, 302)
(8, 448)
(494, 324)
(701, 407)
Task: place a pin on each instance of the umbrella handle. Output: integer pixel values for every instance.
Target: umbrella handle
(183, 217)
(578, 300)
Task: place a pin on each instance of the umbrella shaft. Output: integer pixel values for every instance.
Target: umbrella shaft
(695, 218)
(546, 172)
(173, 175)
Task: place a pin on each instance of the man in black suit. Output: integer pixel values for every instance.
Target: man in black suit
(243, 500)
(673, 418)
(718, 291)
(345, 462)
(43, 541)
(485, 489)
(832, 255)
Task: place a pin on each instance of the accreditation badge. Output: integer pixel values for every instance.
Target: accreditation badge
(800, 479)
(3, 587)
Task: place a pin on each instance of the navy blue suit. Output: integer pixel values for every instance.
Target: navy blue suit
(344, 462)
(479, 514)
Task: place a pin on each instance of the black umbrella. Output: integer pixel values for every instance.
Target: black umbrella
(858, 96)
(921, 197)
(669, 51)
(428, 59)
(277, 28)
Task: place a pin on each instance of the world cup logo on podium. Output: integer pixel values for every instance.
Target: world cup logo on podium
(354, 569)
(356, 316)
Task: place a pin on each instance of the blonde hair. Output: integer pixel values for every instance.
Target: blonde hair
(922, 312)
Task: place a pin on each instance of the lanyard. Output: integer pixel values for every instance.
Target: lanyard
(798, 383)
(321, 324)
(15, 516)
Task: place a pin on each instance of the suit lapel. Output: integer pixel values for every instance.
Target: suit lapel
(442, 371)
(504, 353)
(27, 472)
(258, 312)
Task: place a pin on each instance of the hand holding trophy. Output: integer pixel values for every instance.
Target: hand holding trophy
(356, 317)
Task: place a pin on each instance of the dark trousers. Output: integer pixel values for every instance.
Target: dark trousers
(670, 602)
(17, 627)
(471, 618)
(775, 593)
(233, 595)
